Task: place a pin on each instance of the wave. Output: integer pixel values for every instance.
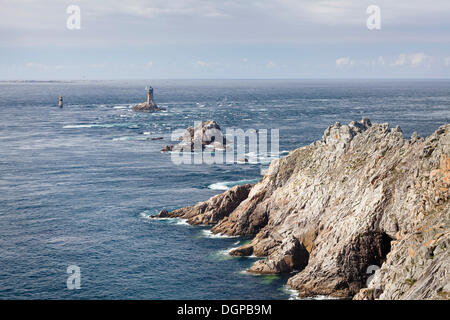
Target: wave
(223, 255)
(148, 215)
(225, 185)
(95, 125)
(209, 234)
(293, 294)
(129, 138)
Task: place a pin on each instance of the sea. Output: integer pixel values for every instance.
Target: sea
(78, 184)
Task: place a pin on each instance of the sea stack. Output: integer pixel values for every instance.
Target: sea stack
(150, 105)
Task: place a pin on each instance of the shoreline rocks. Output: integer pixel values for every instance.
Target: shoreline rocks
(360, 197)
(212, 210)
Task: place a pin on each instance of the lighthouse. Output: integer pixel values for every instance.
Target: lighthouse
(150, 105)
(60, 104)
(150, 96)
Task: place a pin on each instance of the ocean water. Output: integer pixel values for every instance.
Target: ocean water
(77, 184)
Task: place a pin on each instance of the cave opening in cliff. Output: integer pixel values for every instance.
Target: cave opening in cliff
(385, 246)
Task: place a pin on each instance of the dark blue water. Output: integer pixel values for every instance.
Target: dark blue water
(77, 184)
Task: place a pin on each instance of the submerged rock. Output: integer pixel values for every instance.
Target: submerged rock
(360, 197)
(167, 148)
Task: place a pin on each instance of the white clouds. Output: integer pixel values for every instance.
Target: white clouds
(379, 61)
(400, 61)
(447, 61)
(201, 64)
(209, 21)
(42, 66)
(407, 60)
(271, 64)
(149, 64)
(418, 59)
(344, 62)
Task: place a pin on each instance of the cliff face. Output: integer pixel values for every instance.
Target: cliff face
(361, 196)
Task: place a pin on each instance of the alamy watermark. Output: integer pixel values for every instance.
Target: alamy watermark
(74, 279)
(374, 20)
(74, 20)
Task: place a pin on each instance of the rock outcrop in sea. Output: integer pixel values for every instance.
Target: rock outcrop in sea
(206, 135)
(361, 198)
(149, 106)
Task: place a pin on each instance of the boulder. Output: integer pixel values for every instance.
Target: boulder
(206, 135)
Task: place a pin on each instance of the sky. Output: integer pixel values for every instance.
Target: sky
(228, 39)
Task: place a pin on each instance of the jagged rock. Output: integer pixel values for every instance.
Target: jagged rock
(361, 196)
(213, 210)
(206, 135)
(167, 148)
(291, 255)
(147, 107)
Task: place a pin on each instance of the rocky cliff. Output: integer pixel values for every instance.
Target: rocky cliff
(360, 198)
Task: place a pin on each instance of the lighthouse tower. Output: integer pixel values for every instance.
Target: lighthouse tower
(150, 105)
(150, 95)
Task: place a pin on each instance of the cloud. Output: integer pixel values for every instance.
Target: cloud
(201, 63)
(43, 67)
(447, 61)
(400, 61)
(39, 22)
(379, 61)
(271, 64)
(149, 64)
(345, 61)
(414, 60)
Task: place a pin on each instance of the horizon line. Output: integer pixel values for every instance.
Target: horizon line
(196, 79)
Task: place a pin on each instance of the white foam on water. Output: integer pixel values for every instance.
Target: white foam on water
(94, 125)
(320, 297)
(79, 126)
(225, 185)
(129, 138)
(182, 222)
(178, 221)
(122, 139)
(293, 294)
(209, 234)
(145, 214)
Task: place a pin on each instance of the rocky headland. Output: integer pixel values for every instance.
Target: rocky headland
(327, 213)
